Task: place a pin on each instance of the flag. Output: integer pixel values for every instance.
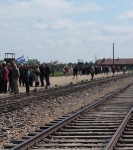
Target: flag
(20, 59)
(25, 61)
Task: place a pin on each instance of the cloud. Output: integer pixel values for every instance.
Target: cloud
(118, 29)
(40, 26)
(85, 7)
(43, 8)
(71, 24)
(126, 15)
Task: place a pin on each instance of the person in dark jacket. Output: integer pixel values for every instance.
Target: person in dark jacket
(42, 73)
(47, 73)
(26, 75)
(75, 72)
(5, 78)
(87, 70)
(106, 70)
(113, 70)
(21, 79)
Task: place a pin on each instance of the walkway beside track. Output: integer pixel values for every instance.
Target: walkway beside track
(62, 80)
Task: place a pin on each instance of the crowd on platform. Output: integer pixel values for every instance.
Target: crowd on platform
(26, 75)
(22, 75)
(82, 70)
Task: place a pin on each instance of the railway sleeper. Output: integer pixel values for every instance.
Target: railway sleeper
(100, 145)
(81, 137)
(88, 130)
(73, 140)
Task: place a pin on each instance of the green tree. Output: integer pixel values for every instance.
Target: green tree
(1, 61)
(69, 64)
(33, 61)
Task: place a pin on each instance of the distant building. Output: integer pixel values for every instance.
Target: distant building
(128, 62)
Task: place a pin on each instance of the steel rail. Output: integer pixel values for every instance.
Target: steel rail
(65, 86)
(46, 95)
(30, 142)
(118, 132)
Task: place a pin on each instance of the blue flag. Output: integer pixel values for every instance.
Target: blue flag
(25, 61)
(20, 59)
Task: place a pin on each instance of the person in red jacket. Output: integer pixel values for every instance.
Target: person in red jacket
(5, 78)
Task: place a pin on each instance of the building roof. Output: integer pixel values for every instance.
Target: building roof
(118, 61)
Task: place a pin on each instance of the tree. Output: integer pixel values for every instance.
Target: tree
(69, 64)
(86, 63)
(33, 61)
(1, 61)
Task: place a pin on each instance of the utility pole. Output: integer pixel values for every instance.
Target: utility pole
(113, 54)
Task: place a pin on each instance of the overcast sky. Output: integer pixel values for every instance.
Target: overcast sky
(66, 30)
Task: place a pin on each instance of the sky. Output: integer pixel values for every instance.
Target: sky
(66, 30)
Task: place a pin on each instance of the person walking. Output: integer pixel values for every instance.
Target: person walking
(66, 71)
(15, 78)
(75, 72)
(92, 72)
(113, 70)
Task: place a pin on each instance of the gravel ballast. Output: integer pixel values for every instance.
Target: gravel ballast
(19, 122)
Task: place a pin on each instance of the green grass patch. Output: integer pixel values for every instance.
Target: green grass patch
(57, 73)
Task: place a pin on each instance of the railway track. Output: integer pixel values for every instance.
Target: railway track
(25, 99)
(123, 137)
(93, 127)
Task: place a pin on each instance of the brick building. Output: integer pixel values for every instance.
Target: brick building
(127, 62)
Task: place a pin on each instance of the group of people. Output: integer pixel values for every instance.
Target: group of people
(86, 70)
(22, 75)
(26, 75)
(75, 70)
